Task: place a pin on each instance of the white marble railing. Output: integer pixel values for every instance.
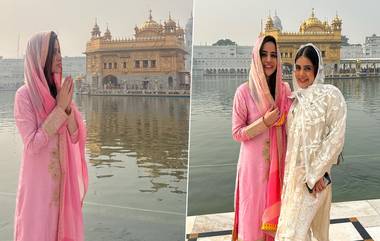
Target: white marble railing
(141, 92)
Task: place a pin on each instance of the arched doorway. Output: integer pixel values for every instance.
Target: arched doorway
(170, 82)
(110, 82)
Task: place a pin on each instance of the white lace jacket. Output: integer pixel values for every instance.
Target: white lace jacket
(316, 128)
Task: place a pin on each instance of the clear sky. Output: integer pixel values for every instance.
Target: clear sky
(73, 20)
(240, 20)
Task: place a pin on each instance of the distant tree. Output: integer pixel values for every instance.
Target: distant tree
(224, 42)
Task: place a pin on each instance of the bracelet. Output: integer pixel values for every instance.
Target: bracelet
(265, 123)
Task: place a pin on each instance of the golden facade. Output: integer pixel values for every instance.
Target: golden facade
(327, 37)
(154, 59)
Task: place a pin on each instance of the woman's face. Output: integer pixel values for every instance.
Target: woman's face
(304, 72)
(56, 66)
(268, 56)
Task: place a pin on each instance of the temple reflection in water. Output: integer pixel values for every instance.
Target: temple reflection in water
(152, 132)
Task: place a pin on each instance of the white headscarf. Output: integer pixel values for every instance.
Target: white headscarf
(304, 96)
(319, 78)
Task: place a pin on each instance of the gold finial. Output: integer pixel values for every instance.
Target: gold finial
(170, 17)
(150, 14)
(313, 12)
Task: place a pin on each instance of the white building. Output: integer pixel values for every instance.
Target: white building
(12, 71)
(221, 60)
(372, 46)
(74, 66)
(277, 22)
(11, 74)
(351, 51)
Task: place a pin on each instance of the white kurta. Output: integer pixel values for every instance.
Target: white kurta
(315, 127)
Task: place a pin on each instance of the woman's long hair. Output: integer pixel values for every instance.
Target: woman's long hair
(48, 65)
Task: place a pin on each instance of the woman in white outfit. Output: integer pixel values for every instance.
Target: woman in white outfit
(315, 127)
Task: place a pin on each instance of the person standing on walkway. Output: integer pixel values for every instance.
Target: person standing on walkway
(258, 122)
(53, 173)
(316, 127)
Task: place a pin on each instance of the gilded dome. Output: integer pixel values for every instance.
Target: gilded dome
(150, 23)
(269, 24)
(312, 24)
(337, 20)
(337, 23)
(269, 21)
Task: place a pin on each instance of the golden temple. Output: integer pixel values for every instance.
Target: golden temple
(154, 59)
(312, 30)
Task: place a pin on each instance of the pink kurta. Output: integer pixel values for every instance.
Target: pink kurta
(38, 196)
(53, 175)
(252, 169)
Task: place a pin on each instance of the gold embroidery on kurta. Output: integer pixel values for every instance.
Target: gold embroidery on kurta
(54, 121)
(266, 151)
(265, 154)
(54, 168)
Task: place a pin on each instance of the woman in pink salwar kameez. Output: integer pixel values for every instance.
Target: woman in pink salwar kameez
(53, 172)
(259, 112)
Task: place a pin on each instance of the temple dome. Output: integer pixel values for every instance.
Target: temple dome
(269, 24)
(313, 24)
(337, 23)
(170, 22)
(150, 24)
(107, 34)
(337, 19)
(95, 30)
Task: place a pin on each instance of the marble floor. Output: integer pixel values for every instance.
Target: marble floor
(349, 221)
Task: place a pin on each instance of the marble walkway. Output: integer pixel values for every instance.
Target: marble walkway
(349, 221)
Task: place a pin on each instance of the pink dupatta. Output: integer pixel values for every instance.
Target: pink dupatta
(277, 134)
(74, 178)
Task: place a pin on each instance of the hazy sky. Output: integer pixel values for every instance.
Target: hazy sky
(73, 20)
(240, 20)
